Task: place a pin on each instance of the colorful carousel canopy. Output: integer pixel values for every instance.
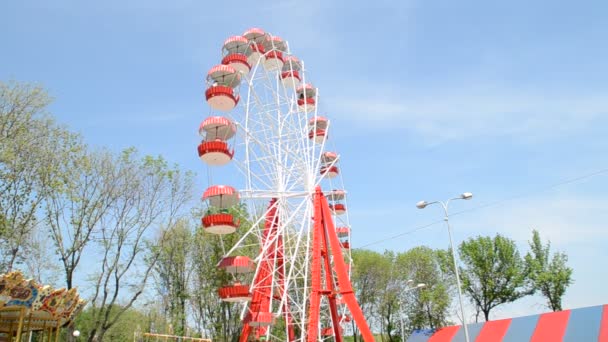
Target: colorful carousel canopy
(30, 306)
(578, 325)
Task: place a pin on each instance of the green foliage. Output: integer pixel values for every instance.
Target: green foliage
(429, 305)
(217, 319)
(384, 290)
(550, 276)
(144, 196)
(369, 278)
(132, 321)
(173, 269)
(493, 274)
(28, 139)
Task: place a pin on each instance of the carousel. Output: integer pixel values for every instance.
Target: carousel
(27, 306)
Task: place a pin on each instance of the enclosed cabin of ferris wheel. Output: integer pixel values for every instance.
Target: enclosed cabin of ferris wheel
(318, 129)
(234, 52)
(336, 197)
(290, 73)
(343, 232)
(237, 266)
(256, 50)
(336, 205)
(214, 148)
(307, 98)
(275, 47)
(329, 169)
(235, 292)
(222, 87)
(218, 219)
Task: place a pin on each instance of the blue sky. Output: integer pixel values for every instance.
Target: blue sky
(428, 99)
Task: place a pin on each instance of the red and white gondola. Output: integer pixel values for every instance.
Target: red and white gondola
(218, 219)
(223, 82)
(307, 98)
(255, 52)
(236, 292)
(274, 47)
(214, 149)
(290, 73)
(237, 264)
(342, 232)
(336, 195)
(337, 208)
(235, 54)
(329, 168)
(318, 129)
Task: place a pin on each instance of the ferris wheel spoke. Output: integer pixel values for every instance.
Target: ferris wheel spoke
(272, 161)
(293, 270)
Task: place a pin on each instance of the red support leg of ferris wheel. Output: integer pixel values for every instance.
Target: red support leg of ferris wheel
(259, 315)
(325, 242)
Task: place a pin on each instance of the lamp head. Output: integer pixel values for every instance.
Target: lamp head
(421, 204)
(76, 333)
(466, 196)
(421, 285)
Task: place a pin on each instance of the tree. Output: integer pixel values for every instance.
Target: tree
(123, 330)
(81, 189)
(146, 194)
(381, 283)
(369, 279)
(27, 138)
(493, 272)
(389, 298)
(172, 272)
(214, 318)
(425, 308)
(552, 277)
(41, 262)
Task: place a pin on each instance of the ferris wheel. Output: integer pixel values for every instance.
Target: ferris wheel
(292, 261)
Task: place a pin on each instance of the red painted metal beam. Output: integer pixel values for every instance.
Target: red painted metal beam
(339, 267)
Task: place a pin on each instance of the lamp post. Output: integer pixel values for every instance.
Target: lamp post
(418, 286)
(445, 205)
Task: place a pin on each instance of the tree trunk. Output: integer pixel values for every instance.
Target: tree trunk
(13, 258)
(92, 336)
(69, 333)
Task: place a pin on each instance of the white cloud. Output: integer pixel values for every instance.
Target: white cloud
(446, 114)
(567, 220)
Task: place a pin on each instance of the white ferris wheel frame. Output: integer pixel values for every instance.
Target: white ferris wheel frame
(269, 138)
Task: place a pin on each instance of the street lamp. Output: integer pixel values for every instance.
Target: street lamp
(418, 286)
(445, 205)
